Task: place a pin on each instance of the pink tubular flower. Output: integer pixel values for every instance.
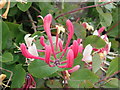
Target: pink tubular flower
(42, 41)
(75, 68)
(27, 54)
(61, 45)
(70, 60)
(47, 54)
(47, 22)
(70, 35)
(80, 49)
(55, 47)
(75, 48)
(101, 30)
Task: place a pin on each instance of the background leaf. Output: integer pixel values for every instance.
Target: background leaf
(7, 57)
(24, 7)
(40, 69)
(79, 30)
(18, 77)
(96, 62)
(113, 67)
(95, 41)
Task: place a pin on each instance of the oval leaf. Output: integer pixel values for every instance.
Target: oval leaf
(24, 7)
(95, 41)
(18, 77)
(39, 69)
(7, 57)
(113, 67)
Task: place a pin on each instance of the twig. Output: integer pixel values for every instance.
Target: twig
(107, 77)
(30, 17)
(35, 9)
(113, 26)
(82, 9)
(9, 77)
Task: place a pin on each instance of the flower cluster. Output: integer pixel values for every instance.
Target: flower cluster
(51, 49)
(70, 51)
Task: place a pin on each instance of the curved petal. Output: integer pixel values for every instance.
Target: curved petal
(75, 48)
(101, 30)
(27, 54)
(87, 50)
(70, 58)
(80, 48)
(47, 54)
(33, 50)
(87, 58)
(96, 33)
(75, 68)
(42, 41)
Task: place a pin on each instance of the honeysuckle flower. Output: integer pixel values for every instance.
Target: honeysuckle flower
(103, 51)
(75, 48)
(42, 41)
(54, 47)
(29, 40)
(75, 68)
(29, 82)
(87, 57)
(27, 54)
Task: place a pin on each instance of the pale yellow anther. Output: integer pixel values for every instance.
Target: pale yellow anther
(102, 56)
(60, 28)
(67, 75)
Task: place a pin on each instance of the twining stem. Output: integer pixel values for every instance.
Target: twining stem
(107, 77)
(82, 9)
(33, 24)
(35, 9)
(9, 77)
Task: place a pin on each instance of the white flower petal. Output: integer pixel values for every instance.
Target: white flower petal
(87, 50)
(95, 33)
(33, 50)
(87, 58)
(28, 39)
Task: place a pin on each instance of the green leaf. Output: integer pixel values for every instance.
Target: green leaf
(54, 84)
(86, 84)
(95, 41)
(18, 77)
(80, 31)
(114, 32)
(112, 83)
(24, 7)
(7, 57)
(5, 34)
(84, 74)
(105, 21)
(74, 83)
(99, 9)
(113, 67)
(96, 62)
(13, 28)
(40, 69)
(78, 60)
